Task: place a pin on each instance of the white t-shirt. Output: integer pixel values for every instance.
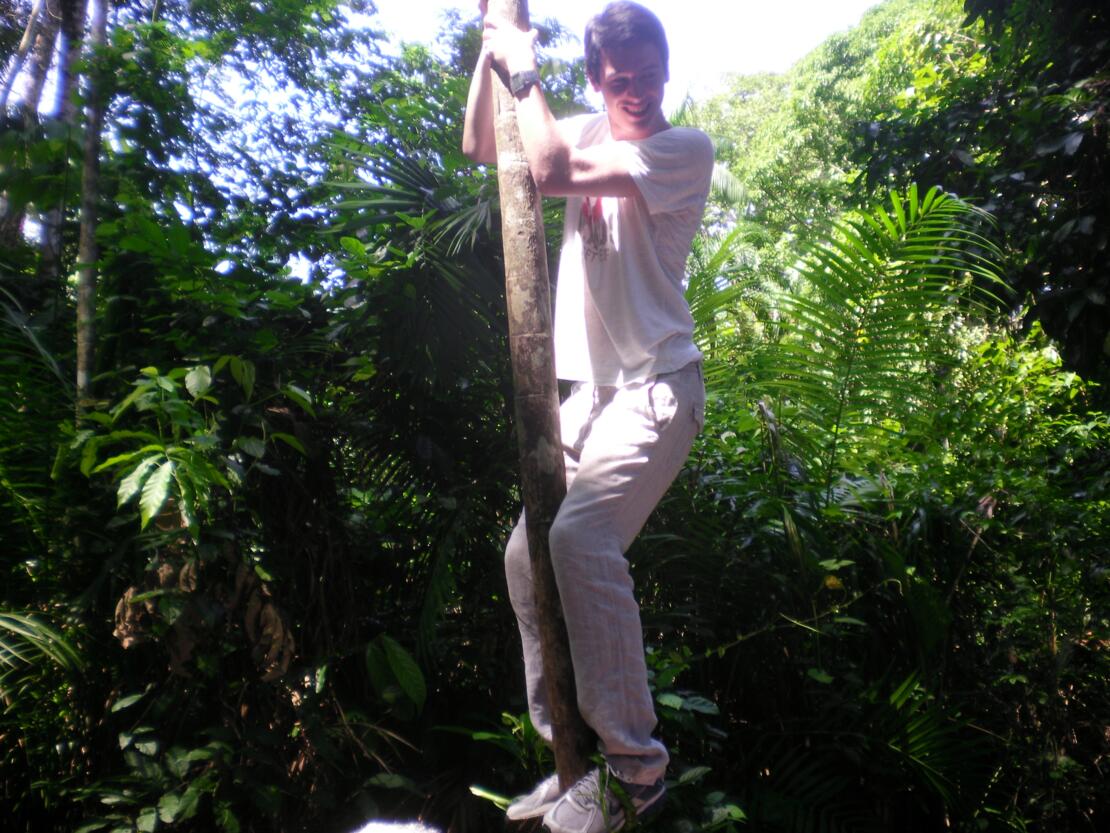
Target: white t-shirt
(620, 311)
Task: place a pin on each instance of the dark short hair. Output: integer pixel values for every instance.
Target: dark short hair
(622, 24)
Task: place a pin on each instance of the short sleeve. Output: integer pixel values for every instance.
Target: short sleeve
(581, 130)
(672, 169)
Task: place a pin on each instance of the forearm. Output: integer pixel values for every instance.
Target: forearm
(545, 148)
(478, 131)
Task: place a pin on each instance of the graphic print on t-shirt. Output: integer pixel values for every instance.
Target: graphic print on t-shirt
(593, 225)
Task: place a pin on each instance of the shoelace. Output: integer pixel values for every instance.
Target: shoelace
(588, 789)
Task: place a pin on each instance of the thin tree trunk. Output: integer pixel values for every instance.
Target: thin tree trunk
(11, 219)
(87, 252)
(21, 53)
(45, 29)
(71, 22)
(543, 477)
(69, 49)
(41, 58)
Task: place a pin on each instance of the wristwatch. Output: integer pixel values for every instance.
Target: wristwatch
(521, 81)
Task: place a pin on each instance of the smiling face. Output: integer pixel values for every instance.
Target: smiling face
(631, 80)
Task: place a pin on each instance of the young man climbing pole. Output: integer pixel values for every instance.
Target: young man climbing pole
(636, 188)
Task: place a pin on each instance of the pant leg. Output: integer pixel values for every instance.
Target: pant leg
(575, 416)
(636, 445)
(622, 447)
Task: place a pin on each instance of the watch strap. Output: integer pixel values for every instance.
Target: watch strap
(521, 81)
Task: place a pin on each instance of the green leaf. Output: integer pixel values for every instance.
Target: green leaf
(190, 801)
(670, 700)
(290, 440)
(701, 705)
(88, 456)
(125, 457)
(225, 818)
(148, 820)
(124, 702)
(406, 671)
(694, 773)
(352, 245)
(177, 762)
(392, 781)
(130, 485)
(155, 492)
(377, 666)
(198, 380)
(301, 398)
(727, 812)
(820, 675)
(243, 372)
(254, 446)
(168, 807)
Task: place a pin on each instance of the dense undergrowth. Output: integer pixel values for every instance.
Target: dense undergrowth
(255, 584)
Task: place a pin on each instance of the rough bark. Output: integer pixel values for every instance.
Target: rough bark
(21, 53)
(70, 22)
(42, 49)
(69, 48)
(543, 477)
(41, 57)
(87, 252)
(11, 217)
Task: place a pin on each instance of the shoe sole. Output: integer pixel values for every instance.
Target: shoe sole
(530, 814)
(645, 812)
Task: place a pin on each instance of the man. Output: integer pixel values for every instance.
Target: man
(636, 189)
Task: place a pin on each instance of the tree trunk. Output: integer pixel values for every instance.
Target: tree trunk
(21, 53)
(41, 58)
(45, 29)
(543, 477)
(11, 218)
(69, 49)
(71, 20)
(87, 252)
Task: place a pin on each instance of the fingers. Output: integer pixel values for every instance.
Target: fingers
(510, 47)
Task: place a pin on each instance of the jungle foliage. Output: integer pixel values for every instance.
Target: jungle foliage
(253, 582)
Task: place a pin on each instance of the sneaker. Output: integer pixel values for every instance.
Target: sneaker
(600, 802)
(536, 803)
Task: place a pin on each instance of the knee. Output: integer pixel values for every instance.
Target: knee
(518, 569)
(565, 542)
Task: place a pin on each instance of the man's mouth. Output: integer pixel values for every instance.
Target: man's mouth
(637, 112)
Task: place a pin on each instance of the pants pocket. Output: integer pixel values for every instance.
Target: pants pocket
(662, 402)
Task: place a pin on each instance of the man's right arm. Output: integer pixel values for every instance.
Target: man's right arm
(478, 142)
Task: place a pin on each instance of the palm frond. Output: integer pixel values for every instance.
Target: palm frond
(727, 187)
(24, 639)
(864, 326)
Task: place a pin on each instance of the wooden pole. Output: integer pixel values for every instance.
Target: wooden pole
(542, 475)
